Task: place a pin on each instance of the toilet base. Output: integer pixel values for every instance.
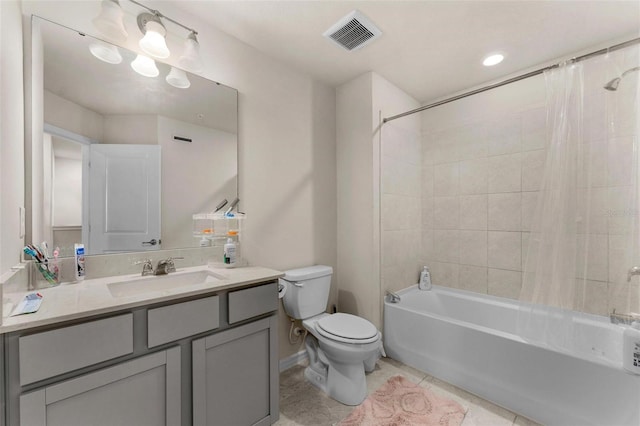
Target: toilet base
(348, 389)
(344, 382)
(319, 380)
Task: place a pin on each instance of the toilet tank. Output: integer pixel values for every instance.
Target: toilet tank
(307, 291)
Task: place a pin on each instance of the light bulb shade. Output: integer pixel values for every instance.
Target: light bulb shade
(106, 52)
(109, 21)
(145, 66)
(190, 59)
(178, 78)
(153, 42)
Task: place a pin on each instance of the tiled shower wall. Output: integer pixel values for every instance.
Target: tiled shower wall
(482, 164)
(401, 204)
(479, 188)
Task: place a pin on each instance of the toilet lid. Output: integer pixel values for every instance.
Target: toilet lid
(345, 327)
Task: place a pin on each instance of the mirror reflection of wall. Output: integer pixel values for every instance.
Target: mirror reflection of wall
(66, 194)
(91, 103)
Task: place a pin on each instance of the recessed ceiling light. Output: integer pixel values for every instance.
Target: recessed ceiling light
(492, 60)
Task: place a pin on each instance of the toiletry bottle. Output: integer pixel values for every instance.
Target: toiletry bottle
(78, 250)
(230, 252)
(631, 348)
(425, 279)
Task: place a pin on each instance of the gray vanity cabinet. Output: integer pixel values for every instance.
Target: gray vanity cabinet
(202, 360)
(234, 373)
(143, 391)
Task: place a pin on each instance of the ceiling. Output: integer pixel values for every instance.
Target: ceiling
(429, 49)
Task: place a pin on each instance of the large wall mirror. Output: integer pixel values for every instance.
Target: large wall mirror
(123, 161)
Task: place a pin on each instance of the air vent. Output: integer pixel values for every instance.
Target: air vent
(353, 31)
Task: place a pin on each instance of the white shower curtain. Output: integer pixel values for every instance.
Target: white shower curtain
(584, 234)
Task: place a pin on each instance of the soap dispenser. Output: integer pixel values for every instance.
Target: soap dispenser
(425, 279)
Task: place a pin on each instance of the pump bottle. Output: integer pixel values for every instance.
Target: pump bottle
(425, 279)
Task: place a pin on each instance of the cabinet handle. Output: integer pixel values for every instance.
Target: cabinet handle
(153, 242)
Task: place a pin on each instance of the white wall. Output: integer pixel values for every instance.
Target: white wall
(137, 129)
(11, 133)
(378, 187)
(67, 192)
(358, 277)
(287, 140)
(211, 153)
(70, 116)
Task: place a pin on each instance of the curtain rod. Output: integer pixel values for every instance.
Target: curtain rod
(511, 80)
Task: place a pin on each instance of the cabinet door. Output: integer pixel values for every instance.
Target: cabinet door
(143, 391)
(235, 376)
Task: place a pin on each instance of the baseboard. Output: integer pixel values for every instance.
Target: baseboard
(292, 360)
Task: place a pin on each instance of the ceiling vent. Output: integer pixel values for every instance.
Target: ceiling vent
(353, 31)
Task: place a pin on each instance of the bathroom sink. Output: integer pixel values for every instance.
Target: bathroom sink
(141, 285)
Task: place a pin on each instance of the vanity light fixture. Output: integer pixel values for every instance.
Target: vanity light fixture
(178, 78)
(153, 42)
(493, 59)
(190, 58)
(145, 66)
(106, 52)
(110, 21)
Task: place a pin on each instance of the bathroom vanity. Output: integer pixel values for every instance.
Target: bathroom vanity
(119, 351)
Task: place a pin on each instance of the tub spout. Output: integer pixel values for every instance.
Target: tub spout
(393, 297)
(618, 318)
(633, 271)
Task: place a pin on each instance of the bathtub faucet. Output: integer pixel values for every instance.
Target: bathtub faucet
(617, 318)
(633, 271)
(393, 297)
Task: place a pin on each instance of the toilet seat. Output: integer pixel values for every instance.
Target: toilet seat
(347, 328)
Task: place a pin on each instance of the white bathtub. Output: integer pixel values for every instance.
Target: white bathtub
(470, 340)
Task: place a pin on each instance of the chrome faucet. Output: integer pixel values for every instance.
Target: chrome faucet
(633, 271)
(166, 265)
(147, 266)
(393, 297)
(617, 318)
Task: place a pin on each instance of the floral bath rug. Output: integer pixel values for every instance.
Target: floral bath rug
(399, 402)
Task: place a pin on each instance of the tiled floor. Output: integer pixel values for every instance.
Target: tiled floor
(301, 403)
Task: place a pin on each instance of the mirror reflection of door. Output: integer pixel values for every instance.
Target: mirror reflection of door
(124, 198)
(106, 196)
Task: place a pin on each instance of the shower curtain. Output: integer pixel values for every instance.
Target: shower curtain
(585, 234)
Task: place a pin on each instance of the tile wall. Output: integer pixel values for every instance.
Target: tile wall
(479, 187)
(401, 204)
(480, 184)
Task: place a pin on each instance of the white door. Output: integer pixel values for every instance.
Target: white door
(123, 198)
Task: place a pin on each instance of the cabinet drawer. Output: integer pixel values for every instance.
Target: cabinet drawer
(174, 322)
(58, 351)
(251, 302)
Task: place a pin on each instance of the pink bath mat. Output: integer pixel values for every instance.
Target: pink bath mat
(400, 402)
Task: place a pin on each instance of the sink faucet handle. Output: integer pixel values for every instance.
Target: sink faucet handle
(147, 266)
(168, 264)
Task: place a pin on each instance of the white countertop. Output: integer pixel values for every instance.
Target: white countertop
(93, 297)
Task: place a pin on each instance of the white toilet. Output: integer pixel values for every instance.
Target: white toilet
(343, 346)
